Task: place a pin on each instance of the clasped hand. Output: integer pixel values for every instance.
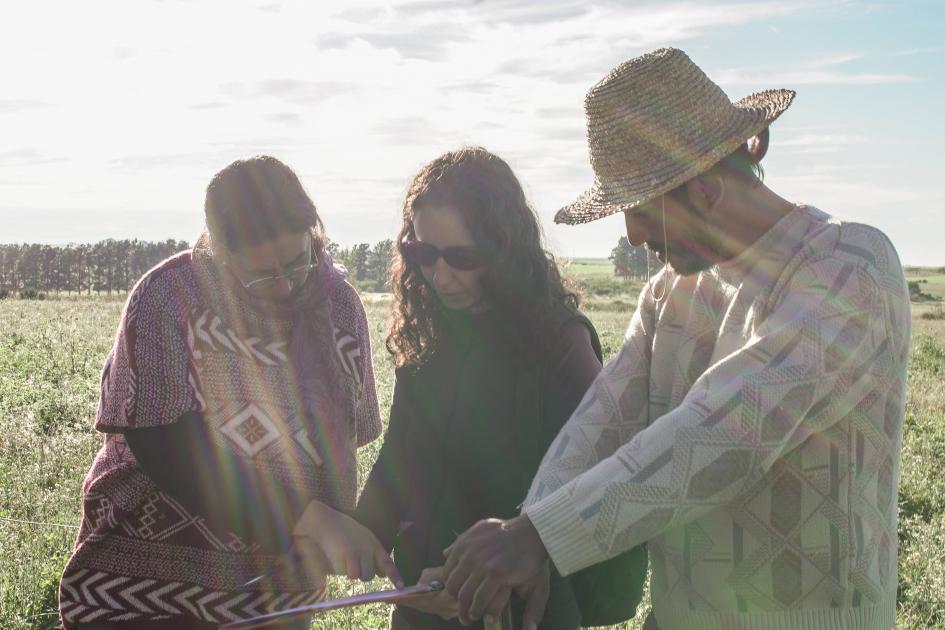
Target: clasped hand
(331, 542)
(440, 603)
(492, 559)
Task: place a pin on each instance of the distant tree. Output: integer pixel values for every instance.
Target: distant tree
(379, 261)
(333, 249)
(359, 260)
(629, 261)
(29, 267)
(620, 255)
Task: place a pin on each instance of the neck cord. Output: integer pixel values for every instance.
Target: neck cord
(663, 280)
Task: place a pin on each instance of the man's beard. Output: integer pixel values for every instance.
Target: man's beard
(683, 262)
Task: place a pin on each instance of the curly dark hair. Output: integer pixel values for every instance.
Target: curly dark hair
(521, 280)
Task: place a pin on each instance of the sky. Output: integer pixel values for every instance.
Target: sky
(115, 115)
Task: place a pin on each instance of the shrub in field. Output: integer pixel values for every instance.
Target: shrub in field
(4, 294)
(916, 294)
(53, 416)
(937, 313)
(32, 294)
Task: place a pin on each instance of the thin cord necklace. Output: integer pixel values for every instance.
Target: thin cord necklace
(663, 280)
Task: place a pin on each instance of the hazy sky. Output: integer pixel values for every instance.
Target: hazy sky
(114, 115)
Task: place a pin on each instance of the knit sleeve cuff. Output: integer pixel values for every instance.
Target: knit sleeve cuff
(564, 533)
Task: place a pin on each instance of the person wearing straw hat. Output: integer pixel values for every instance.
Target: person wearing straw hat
(749, 429)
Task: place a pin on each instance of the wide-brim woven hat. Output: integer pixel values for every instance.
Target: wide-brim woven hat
(657, 121)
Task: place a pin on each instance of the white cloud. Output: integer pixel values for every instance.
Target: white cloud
(836, 59)
(909, 52)
(808, 76)
(143, 101)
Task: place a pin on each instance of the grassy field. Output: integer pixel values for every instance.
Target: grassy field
(51, 353)
(589, 267)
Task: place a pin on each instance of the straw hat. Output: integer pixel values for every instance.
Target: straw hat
(657, 121)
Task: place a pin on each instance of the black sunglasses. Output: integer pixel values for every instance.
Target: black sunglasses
(426, 255)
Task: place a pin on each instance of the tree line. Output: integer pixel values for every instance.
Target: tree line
(103, 267)
(113, 266)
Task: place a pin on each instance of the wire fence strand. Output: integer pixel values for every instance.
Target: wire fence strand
(6, 519)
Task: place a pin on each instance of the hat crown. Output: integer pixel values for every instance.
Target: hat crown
(660, 106)
(654, 122)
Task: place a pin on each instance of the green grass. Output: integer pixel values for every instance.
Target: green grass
(583, 267)
(51, 353)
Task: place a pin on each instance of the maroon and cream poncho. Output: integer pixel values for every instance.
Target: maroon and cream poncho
(290, 389)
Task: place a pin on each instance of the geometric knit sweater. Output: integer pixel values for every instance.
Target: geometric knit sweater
(749, 430)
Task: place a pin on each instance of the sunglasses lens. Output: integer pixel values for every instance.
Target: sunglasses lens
(420, 253)
(463, 258)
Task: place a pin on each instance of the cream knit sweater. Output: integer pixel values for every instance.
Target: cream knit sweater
(749, 430)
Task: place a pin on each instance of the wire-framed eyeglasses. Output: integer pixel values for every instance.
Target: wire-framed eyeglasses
(295, 277)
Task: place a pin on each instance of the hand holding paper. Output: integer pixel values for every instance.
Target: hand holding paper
(436, 603)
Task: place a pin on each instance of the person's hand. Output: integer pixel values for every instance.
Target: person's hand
(439, 603)
(349, 548)
(535, 594)
(488, 561)
(307, 559)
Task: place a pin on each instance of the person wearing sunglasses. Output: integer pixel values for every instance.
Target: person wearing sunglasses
(239, 386)
(492, 356)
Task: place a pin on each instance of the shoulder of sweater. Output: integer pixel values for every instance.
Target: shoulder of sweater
(849, 242)
(345, 296)
(168, 270)
(161, 286)
(832, 249)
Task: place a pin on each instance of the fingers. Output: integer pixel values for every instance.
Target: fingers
(494, 609)
(452, 560)
(352, 566)
(535, 593)
(441, 604)
(309, 558)
(367, 568)
(455, 578)
(535, 603)
(385, 566)
(465, 598)
(429, 574)
(481, 599)
(426, 603)
(447, 607)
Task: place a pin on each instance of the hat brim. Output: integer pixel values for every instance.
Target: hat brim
(760, 110)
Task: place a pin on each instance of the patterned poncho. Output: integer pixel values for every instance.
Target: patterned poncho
(290, 390)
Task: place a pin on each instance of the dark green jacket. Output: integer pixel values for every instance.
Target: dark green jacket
(466, 433)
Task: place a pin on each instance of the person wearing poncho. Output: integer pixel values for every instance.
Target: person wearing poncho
(238, 389)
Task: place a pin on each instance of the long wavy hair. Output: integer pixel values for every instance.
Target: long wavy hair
(521, 280)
